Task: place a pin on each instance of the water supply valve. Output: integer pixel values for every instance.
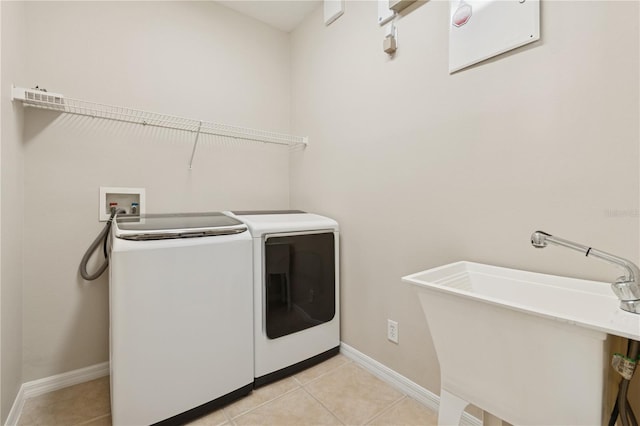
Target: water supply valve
(129, 200)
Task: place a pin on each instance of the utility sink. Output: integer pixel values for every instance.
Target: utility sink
(529, 348)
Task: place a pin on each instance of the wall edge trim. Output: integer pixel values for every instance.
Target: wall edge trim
(16, 408)
(400, 382)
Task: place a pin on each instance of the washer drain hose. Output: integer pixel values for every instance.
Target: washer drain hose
(101, 240)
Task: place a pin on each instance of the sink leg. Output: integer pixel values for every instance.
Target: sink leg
(451, 409)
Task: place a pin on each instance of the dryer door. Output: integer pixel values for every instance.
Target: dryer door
(299, 282)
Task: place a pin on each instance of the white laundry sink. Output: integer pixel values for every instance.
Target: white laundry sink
(529, 348)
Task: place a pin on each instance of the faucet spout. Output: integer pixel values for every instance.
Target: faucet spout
(626, 287)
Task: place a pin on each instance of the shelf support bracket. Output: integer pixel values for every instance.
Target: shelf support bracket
(195, 144)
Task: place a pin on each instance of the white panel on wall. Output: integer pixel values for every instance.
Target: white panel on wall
(479, 30)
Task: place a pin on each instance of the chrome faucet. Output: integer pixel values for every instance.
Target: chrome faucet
(625, 287)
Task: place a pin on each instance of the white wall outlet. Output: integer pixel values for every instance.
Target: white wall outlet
(392, 331)
(124, 197)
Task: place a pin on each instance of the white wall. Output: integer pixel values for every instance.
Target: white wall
(11, 206)
(422, 168)
(546, 137)
(192, 59)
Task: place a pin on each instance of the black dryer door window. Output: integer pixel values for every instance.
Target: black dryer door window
(299, 282)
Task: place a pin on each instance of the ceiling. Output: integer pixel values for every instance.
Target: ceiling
(282, 14)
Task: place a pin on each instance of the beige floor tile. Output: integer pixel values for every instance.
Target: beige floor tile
(296, 408)
(260, 396)
(353, 394)
(316, 371)
(217, 418)
(407, 412)
(68, 406)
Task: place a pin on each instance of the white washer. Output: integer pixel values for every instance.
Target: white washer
(181, 310)
(296, 291)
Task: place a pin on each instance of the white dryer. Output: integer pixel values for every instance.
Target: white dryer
(296, 291)
(181, 315)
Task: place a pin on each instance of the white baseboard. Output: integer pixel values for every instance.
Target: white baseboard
(404, 385)
(52, 383)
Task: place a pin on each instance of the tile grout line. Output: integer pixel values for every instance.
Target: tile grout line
(393, 403)
(323, 406)
(386, 409)
(324, 374)
(232, 419)
(226, 416)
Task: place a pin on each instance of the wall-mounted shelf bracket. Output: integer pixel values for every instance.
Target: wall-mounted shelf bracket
(195, 144)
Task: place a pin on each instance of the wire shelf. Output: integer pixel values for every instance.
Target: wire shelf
(52, 101)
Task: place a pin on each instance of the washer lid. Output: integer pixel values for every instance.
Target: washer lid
(179, 225)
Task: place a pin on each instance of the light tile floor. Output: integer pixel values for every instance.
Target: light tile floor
(336, 392)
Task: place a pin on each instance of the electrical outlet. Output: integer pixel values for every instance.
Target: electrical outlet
(392, 331)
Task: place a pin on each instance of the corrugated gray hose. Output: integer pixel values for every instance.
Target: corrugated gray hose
(101, 239)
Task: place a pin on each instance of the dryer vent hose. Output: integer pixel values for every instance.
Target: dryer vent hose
(101, 240)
